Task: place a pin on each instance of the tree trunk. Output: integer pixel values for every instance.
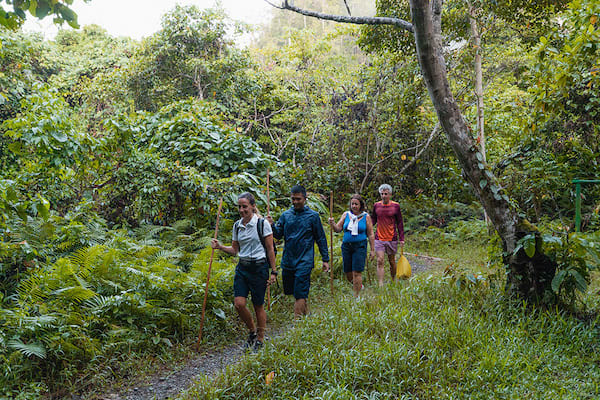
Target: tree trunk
(476, 35)
(529, 278)
(478, 78)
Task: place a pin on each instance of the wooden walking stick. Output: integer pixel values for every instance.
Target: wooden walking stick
(212, 253)
(331, 242)
(268, 213)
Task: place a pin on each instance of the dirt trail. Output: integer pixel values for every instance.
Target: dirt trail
(167, 384)
(170, 383)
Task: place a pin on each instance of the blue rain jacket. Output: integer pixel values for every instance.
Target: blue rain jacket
(300, 230)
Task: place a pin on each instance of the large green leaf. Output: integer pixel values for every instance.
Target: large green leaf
(43, 207)
(60, 136)
(529, 245)
(558, 280)
(579, 280)
(42, 9)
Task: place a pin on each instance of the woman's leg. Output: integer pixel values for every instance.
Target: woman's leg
(357, 282)
(240, 306)
(261, 321)
(349, 276)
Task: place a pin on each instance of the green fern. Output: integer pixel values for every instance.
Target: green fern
(30, 288)
(171, 255)
(78, 294)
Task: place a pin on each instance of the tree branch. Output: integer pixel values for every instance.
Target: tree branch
(400, 23)
(347, 8)
(433, 134)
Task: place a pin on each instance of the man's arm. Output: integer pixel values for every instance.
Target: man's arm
(320, 238)
(374, 215)
(278, 227)
(400, 225)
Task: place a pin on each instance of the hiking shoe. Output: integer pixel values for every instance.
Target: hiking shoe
(257, 346)
(251, 340)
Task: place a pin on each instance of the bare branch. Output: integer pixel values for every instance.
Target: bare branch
(433, 134)
(347, 8)
(346, 19)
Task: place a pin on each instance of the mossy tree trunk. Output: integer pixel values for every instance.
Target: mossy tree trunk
(528, 278)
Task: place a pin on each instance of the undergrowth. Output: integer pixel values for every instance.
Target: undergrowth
(423, 339)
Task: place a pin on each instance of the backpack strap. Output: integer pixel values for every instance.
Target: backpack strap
(236, 228)
(260, 228)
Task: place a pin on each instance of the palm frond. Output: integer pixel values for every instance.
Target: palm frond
(135, 271)
(28, 349)
(40, 321)
(99, 302)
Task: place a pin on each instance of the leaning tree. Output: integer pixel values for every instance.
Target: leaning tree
(530, 272)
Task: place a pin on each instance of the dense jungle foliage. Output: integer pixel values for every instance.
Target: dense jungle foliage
(115, 152)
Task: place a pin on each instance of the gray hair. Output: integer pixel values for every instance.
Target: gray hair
(385, 186)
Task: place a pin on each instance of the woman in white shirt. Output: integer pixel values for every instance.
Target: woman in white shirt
(252, 271)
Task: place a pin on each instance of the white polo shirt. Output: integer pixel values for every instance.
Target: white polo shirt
(247, 236)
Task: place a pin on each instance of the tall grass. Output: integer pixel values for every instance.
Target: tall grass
(425, 339)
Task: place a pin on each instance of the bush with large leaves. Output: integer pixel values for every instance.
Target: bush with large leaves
(177, 164)
(561, 133)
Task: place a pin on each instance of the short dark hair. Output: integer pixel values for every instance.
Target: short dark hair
(298, 189)
(248, 196)
(360, 200)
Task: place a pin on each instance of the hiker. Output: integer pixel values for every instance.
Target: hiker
(300, 227)
(389, 233)
(358, 229)
(252, 271)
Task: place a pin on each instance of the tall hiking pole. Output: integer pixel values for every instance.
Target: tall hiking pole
(331, 242)
(212, 253)
(268, 213)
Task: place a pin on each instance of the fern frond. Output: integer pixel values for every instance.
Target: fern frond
(182, 226)
(170, 255)
(84, 258)
(28, 349)
(150, 231)
(30, 288)
(75, 293)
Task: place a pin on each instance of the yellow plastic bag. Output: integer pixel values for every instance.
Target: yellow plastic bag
(403, 269)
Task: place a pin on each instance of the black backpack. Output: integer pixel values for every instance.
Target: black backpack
(260, 228)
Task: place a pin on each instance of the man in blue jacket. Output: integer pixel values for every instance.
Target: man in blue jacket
(300, 227)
